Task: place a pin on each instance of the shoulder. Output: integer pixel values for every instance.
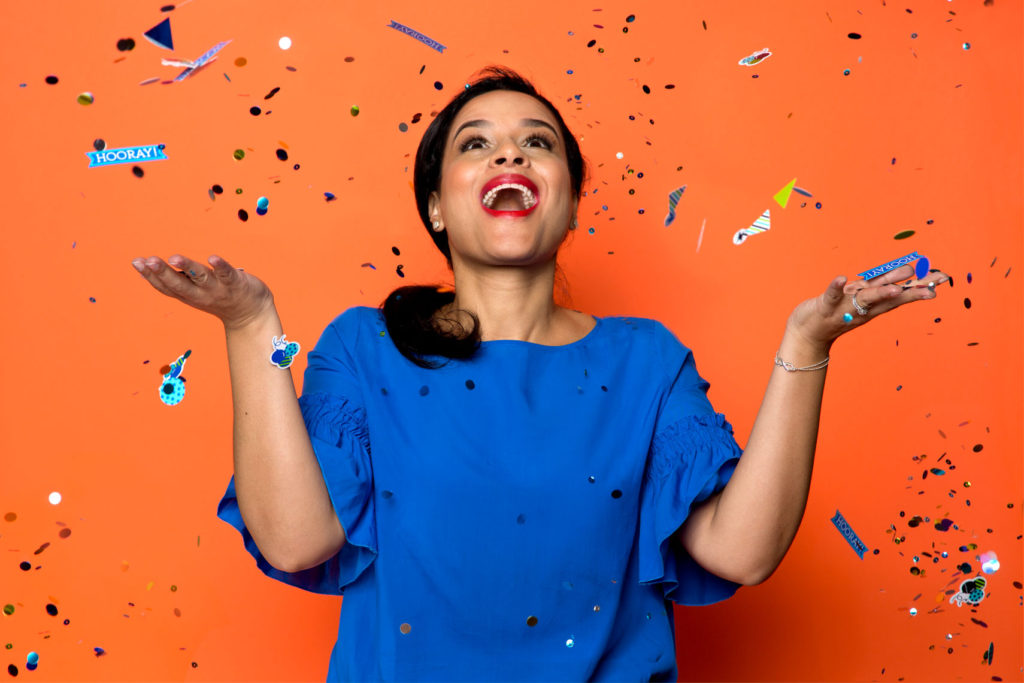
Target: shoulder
(354, 325)
(647, 331)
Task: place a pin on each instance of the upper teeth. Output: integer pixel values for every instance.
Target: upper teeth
(528, 198)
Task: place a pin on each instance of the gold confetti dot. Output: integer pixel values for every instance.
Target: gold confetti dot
(405, 628)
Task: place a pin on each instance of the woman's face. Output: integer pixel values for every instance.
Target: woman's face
(498, 134)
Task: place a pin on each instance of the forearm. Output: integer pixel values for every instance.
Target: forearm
(758, 513)
(280, 489)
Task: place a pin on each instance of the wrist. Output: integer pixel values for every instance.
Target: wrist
(797, 349)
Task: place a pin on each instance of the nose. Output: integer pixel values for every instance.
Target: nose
(508, 153)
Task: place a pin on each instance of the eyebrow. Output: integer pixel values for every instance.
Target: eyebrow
(483, 123)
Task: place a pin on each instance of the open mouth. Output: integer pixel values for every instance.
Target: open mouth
(509, 196)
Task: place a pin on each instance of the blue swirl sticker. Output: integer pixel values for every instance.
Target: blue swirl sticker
(125, 155)
(849, 535)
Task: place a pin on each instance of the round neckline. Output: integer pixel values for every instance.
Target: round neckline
(581, 340)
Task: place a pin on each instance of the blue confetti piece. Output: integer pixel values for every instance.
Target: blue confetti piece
(800, 190)
(329, 196)
(191, 66)
(673, 201)
(429, 42)
(849, 535)
(921, 270)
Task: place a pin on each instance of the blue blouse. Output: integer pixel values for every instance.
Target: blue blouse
(510, 517)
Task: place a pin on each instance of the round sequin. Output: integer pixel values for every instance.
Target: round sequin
(405, 628)
(282, 154)
(10, 516)
(86, 98)
(51, 609)
(354, 110)
(913, 611)
(32, 658)
(903, 235)
(531, 621)
(126, 44)
(54, 498)
(52, 80)
(239, 154)
(570, 642)
(255, 111)
(8, 609)
(403, 126)
(284, 43)
(262, 203)
(241, 61)
(967, 46)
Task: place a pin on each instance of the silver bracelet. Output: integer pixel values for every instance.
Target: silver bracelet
(789, 367)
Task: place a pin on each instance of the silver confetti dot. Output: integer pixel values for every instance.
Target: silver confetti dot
(570, 642)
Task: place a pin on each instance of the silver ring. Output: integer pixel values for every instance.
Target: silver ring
(862, 310)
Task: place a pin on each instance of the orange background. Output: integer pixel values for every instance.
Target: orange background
(922, 135)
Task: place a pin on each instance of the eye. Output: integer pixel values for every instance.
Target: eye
(468, 143)
(543, 139)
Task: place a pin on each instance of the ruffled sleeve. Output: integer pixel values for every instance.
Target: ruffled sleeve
(331, 405)
(692, 456)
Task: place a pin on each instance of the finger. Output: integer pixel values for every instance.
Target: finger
(897, 275)
(222, 270)
(833, 295)
(148, 270)
(876, 296)
(197, 272)
(172, 280)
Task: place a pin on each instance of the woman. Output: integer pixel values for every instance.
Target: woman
(534, 503)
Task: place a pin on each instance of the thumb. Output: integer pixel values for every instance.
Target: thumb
(834, 293)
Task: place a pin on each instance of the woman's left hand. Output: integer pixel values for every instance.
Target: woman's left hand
(821, 320)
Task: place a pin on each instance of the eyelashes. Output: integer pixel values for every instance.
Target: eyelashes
(544, 138)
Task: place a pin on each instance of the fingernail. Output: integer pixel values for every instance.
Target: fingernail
(153, 265)
(138, 264)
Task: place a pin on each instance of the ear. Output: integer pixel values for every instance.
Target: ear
(434, 206)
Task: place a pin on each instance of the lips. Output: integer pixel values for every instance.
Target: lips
(507, 178)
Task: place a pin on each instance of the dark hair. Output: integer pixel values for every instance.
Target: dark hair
(409, 311)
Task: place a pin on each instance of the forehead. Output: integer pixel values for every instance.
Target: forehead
(501, 106)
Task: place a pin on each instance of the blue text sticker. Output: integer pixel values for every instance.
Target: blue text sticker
(849, 535)
(891, 265)
(124, 155)
(430, 42)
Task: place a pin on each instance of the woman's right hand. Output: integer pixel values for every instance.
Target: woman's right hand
(233, 295)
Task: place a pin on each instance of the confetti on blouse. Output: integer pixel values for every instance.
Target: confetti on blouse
(756, 58)
(762, 224)
(673, 201)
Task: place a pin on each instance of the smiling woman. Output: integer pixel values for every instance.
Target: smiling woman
(499, 123)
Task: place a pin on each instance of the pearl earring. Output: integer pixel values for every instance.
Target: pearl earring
(437, 225)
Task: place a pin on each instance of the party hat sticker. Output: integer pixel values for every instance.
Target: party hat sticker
(160, 35)
(782, 196)
(762, 224)
(172, 390)
(673, 201)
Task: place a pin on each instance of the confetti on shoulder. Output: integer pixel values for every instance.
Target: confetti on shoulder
(755, 58)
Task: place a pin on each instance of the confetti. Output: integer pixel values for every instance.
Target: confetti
(782, 196)
(762, 224)
(849, 535)
(85, 99)
(109, 157)
(989, 562)
(429, 42)
(972, 591)
(284, 43)
(673, 201)
(191, 66)
(261, 206)
(160, 35)
(903, 235)
(802, 191)
(921, 269)
(755, 58)
(172, 390)
(54, 498)
(891, 265)
(126, 44)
